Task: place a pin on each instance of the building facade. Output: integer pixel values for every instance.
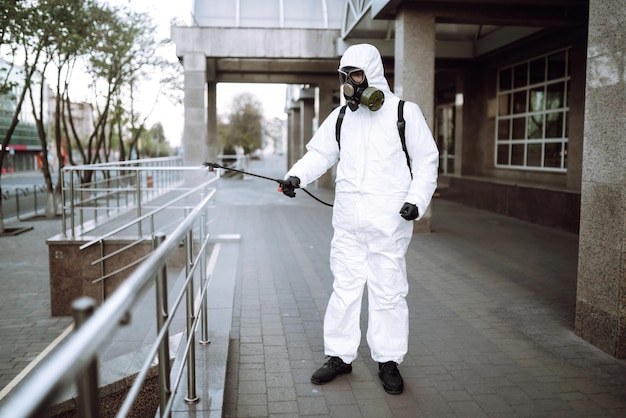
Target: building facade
(24, 150)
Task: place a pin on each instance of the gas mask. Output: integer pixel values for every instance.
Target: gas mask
(356, 90)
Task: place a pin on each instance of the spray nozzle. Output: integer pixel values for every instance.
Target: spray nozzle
(211, 166)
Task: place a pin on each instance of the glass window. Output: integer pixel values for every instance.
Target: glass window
(503, 154)
(519, 128)
(557, 64)
(553, 154)
(554, 125)
(532, 118)
(505, 79)
(517, 154)
(533, 155)
(504, 104)
(504, 126)
(538, 71)
(537, 99)
(519, 102)
(535, 127)
(520, 75)
(555, 96)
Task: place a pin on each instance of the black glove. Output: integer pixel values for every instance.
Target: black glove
(289, 186)
(409, 211)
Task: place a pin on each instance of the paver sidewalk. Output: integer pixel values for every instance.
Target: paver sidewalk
(492, 303)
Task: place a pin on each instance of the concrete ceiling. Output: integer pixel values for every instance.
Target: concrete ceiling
(465, 29)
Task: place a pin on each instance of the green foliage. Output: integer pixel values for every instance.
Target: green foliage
(244, 125)
(153, 142)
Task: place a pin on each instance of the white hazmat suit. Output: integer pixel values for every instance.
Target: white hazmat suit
(370, 239)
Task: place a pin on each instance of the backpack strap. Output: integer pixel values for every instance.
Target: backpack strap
(342, 113)
(401, 127)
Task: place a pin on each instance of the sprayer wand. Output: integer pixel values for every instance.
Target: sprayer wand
(213, 166)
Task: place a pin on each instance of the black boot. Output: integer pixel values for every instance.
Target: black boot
(392, 381)
(331, 369)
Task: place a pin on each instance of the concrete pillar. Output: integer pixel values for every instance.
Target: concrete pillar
(326, 104)
(600, 301)
(294, 136)
(307, 113)
(195, 99)
(414, 66)
(212, 141)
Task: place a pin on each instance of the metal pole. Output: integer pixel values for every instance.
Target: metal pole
(192, 397)
(87, 382)
(204, 312)
(63, 220)
(72, 220)
(138, 187)
(164, 346)
(35, 197)
(17, 202)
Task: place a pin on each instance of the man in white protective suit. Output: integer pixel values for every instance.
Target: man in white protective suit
(380, 190)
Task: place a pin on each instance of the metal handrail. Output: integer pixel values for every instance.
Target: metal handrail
(73, 360)
(125, 185)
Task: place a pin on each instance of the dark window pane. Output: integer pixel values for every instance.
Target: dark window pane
(445, 95)
(505, 79)
(535, 127)
(504, 104)
(555, 96)
(503, 128)
(533, 155)
(520, 75)
(565, 155)
(519, 102)
(554, 125)
(556, 65)
(517, 154)
(537, 99)
(552, 155)
(503, 154)
(538, 71)
(519, 128)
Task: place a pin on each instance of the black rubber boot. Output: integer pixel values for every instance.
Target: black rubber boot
(331, 369)
(390, 375)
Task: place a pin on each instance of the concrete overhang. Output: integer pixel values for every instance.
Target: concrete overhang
(256, 42)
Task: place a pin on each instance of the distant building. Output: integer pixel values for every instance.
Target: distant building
(82, 122)
(24, 149)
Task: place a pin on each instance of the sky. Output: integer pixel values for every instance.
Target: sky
(271, 96)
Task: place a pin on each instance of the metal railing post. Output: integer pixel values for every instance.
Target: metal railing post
(87, 382)
(138, 187)
(63, 197)
(203, 279)
(164, 345)
(17, 202)
(72, 220)
(192, 397)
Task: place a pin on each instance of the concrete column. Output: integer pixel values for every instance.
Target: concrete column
(326, 99)
(414, 65)
(307, 113)
(600, 301)
(195, 98)
(212, 142)
(294, 135)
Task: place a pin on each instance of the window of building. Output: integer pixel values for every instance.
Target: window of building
(532, 114)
